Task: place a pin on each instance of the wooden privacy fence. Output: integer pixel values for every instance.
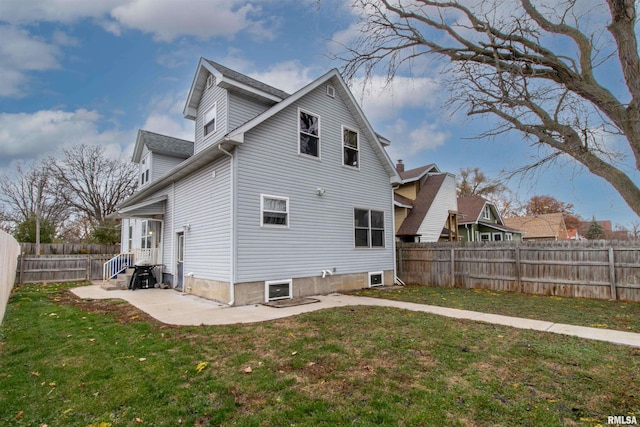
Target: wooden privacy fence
(603, 270)
(68, 249)
(60, 268)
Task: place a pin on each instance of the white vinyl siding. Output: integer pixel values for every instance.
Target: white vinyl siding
(243, 109)
(163, 164)
(203, 201)
(436, 218)
(213, 96)
(320, 233)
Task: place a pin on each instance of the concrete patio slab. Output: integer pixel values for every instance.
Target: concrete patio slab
(175, 308)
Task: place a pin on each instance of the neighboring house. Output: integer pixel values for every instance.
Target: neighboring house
(282, 196)
(540, 227)
(609, 233)
(425, 205)
(480, 221)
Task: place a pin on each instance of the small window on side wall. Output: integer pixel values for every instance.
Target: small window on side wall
(210, 120)
(309, 134)
(277, 289)
(274, 211)
(376, 278)
(350, 147)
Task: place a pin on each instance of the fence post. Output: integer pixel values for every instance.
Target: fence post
(452, 279)
(89, 268)
(612, 275)
(21, 267)
(518, 281)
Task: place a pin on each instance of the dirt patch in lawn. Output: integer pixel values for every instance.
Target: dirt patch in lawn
(122, 310)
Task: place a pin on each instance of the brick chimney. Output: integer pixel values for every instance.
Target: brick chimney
(400, 166)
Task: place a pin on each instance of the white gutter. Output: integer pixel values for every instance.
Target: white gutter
(232, 231)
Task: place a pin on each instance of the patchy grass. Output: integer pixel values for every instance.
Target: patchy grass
(103, 363)
(618, 315)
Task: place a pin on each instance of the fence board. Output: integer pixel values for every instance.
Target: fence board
(57, 268)
(69, 249)
(600, 269)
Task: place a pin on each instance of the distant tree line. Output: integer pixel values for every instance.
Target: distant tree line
(68, 199)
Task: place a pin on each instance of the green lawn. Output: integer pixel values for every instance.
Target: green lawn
(65, 362)
(619, 315)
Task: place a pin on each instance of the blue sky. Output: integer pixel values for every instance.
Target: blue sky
(94, 72)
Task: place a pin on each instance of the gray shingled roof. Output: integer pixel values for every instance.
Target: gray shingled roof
(247, 80)
(167, 145)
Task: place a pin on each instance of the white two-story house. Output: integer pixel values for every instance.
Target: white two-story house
(279, 196)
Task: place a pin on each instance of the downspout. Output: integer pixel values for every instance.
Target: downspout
(393, 231)
(232, 231)
(174, 269)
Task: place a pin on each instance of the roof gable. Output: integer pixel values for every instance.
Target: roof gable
(161, 144)
(421, 205)
(333, 76)
(227, 79)
(470, 210)
(418, 173)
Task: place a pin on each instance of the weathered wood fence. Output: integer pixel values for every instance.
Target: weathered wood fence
(60, 268)
(68, 249)
(603, 270)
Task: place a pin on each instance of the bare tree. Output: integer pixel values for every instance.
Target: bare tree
(541, 70)
(92, 183)
(32, 191)
(473, 181)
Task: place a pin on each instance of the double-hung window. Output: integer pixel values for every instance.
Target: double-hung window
(486, 212)
(210, 120)
(350, 147)
(369, 228)
(309, 134)
(274, 211)
(144, 170)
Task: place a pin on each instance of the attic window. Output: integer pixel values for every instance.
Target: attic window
(209, 81)
(210, 120)
(331, 91)
(486, 212)
(350, 147)
(309, 134)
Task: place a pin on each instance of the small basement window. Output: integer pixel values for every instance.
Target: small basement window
(278, 289)
(376, 278)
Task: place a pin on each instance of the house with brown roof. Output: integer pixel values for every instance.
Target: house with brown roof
(480, 221)
(540, 227)
(425, 205)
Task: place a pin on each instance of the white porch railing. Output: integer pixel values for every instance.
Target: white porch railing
(120, 262)
(116, 265)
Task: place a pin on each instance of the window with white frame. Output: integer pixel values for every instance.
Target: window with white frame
(486, 212)
(497, 237)
(144, 170)
(278, 289)
(368, 228)
(376, 278)
(508, 236)
(350, 147)
(309, 134)
(274, 211)
(130, 239)
(485, 237)
(145, 234)
(210, 120)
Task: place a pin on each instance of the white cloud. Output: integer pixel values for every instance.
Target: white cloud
(289, 76)
(382, 102)
(20, 53)
(168, 19)
(66, 11)
(32, 136)
(407, 143)
(165, 117)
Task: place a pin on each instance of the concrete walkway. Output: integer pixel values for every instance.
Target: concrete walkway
(175, 308)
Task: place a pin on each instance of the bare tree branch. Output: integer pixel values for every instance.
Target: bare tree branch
(503, 65)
